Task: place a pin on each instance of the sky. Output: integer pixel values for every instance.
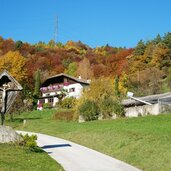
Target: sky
(119, 23)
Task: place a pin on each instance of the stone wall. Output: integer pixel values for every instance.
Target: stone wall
(142, 110)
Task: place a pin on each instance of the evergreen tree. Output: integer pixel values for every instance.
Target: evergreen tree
(116, 86)
(167, 40)
(36, 89)
(140, 48)
(37, 84)
(18, 44)
(157, 40)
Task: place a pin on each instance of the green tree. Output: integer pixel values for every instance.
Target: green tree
(140, 48)
(51, 43)
(18, 44)
(157, 40)
(36, 88)
(72, 68)
(37, 84)
(167, 40)
(66, 62)
(116, 86)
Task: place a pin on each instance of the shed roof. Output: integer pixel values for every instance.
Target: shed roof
(153, 99)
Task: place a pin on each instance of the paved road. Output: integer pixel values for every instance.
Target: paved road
(74, 157)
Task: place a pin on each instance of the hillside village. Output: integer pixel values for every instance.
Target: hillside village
(64, 85)
(78, 59)
(144, 69)
(85, 85)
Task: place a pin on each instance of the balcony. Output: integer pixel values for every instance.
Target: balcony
(56, 87)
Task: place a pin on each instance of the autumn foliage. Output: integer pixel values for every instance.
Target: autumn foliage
(134, 67)
(15, 63)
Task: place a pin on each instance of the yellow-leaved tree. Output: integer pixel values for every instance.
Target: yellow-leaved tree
(99, 100)
(14, 63)
(123, 83)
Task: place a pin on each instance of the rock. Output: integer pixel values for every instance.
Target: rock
(81, 119)
(100, 117)
(7, 134)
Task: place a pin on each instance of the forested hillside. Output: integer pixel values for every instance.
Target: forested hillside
(143, 69)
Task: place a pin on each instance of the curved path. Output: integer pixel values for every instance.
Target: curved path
(74, 157)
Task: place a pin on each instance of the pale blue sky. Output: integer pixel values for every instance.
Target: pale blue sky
(94, 22)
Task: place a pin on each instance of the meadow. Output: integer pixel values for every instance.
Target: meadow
(144, 142)
(17, 158)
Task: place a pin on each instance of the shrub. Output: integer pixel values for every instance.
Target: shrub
(106, 107)
(118, 108)
(109, 106)
(89, 110)
(30, 142)
(47, 105)
(68, 103)
(64, 114)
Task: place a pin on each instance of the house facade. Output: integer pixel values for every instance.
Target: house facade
(61, 84)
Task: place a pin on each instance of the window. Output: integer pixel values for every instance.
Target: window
(50, 100)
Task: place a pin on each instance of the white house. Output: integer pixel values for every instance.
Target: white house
(54, 86)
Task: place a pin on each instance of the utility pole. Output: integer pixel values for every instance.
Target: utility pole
(56, 29)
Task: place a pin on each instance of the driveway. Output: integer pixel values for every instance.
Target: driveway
(74, 157)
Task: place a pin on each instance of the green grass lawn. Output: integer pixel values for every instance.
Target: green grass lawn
(16, 158)
(144, 142)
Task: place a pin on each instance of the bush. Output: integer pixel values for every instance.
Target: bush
(64, 114)
(109, 106)
(68, 103)
(89, 110)
(118, 109)
(30, 142)
(47, 106)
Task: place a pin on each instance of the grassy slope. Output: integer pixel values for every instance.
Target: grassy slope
(144, 142)
(15, 158)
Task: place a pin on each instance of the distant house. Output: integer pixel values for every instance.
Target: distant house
(53, 86)
(159, 103)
